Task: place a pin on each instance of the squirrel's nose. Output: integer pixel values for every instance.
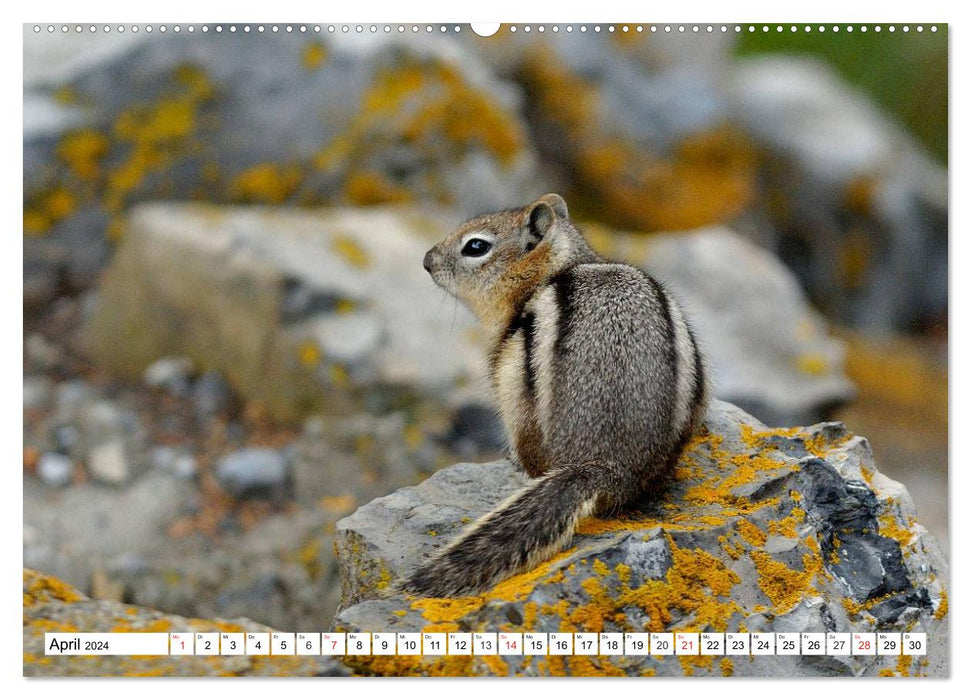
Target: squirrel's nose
(427, 262)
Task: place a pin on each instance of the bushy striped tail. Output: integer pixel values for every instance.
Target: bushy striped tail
(529, 528)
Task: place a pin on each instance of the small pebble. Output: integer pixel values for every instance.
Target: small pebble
(55, 470)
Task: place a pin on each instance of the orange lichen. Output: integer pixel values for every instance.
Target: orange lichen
(309, 353)
(786, 527)
(366, 188)
(40, 588)
(783, 586)
(313, 56)
(82, 151)
(903, 665)
(812, 364)
(428, 105)
(942, 606)
(890, 528)
(155, 134)
(266, 183)
(709, 177)
(351, 251)
(690, 663)
(750, 533)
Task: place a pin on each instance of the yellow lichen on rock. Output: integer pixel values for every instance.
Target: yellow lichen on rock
(82, 151)
(709, 177)
(266, 183)
(313, 56)
(783, 586)
(40, 588)
(424, 104)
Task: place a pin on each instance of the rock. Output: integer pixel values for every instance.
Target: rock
(475, 428)
(172, 374)
(763, 530)
(290, 307)
(776, 361)
(41, 351)
(162, 457)
(50, 605)
(82, 529)
(41, 284)
(67, 438)
(108, 462)
(360, 455)
(114, 439)
(210, 395)
(55, 469)
(185, 466)
(253, 472)
(861, 210)
(37, 393)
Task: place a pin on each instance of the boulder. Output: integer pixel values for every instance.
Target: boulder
(291, 307)
(861, 209)
(50, 605)
(761, 530)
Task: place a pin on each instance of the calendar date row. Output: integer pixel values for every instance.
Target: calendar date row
(489, 644)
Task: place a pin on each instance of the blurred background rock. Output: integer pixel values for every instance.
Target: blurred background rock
(229, 339)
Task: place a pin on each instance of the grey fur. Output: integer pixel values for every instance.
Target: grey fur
(590, 411)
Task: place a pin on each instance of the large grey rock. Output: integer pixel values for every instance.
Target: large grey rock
(50, 605)
(762, 530)
(865, 214)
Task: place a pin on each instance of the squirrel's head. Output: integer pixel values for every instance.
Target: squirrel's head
(491, 261)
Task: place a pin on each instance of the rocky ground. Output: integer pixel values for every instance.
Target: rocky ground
(761, 530)
(168, 492)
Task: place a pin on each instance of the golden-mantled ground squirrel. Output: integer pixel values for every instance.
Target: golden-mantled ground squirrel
(598, 379)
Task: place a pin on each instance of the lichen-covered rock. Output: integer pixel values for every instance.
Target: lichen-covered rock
(636, 126)
(862, 211)
(294, 117)
(761, 530)
(53, 606)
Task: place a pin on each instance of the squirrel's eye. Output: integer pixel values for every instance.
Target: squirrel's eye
(476, 247)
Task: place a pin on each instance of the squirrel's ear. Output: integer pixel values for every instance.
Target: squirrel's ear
(557, 203)
(539, 221)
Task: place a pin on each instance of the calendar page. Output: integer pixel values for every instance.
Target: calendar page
(517, 349)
